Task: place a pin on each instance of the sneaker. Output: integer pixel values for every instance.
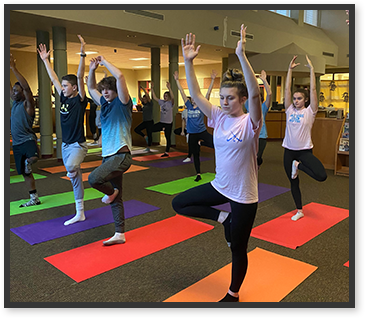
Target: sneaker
(30, 203)
(294, 169)
(198, 178)
(187, 159)
(28, 167)
(165, 154)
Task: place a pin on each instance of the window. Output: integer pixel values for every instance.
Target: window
(282, 12)
(311, 17)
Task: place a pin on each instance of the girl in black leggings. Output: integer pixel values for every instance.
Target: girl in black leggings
(297, 141)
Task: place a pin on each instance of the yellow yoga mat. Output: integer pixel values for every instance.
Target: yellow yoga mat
(270, 277)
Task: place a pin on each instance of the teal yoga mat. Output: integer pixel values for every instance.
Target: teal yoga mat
(54, 200)
(20, 178)
(181, 185)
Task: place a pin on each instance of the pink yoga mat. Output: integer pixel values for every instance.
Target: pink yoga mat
(283, 231)
(93, 259)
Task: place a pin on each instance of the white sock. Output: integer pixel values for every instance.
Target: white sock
(80, 215)
(297, 216)
(222, 216)
(118, 238)
(110, 198)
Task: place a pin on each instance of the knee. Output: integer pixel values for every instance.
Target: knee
(177, 204)
(72, 173)
(92, 179)
(322, 177)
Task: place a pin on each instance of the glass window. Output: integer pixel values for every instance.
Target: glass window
(311, 17)
(282, 12)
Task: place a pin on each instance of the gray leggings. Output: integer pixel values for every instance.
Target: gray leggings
(109, 176)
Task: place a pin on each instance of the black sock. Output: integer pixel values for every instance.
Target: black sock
(33, 191)
(198, 178)
(229, 298)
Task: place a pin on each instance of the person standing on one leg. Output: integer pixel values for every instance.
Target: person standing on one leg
(147, 122)
(25, 147)
(116, 121)
(195, 127)
(297, 142)
(265, 109)
(166, 119)
(73, 104)
(236, 142)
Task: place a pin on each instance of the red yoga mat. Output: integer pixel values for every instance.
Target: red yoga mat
(347, 264)
(283, 231)
(93, 259)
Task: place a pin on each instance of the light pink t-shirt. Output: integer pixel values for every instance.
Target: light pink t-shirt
(236, 145)
(298, 128)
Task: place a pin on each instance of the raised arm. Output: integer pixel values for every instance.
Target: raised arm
(212, 76)
(313, 91)
(267, 89)
(171, 93)
(91, 81)
(146, 94)
(81, 69)
(153, 93)
(288, 98)
(251, 82)
(183, 95)
(190, 53)
(44, 55)
(122, 88)
(29, 100)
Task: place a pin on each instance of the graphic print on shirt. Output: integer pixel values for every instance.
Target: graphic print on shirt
(194, 113)
(64, 108)
(234, 138)
(296, 118)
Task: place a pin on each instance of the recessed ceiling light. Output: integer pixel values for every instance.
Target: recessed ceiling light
(89, 52)
(131, 36)
(218, 50)
(140, 59)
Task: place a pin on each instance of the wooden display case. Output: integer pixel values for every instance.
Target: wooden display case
(342, 158)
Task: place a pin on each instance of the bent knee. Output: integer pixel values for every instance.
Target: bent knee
(177, 204)
(322, 177)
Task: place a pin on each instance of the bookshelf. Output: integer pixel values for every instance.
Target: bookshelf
(342, 166)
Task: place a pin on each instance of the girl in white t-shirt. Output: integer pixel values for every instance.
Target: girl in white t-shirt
(298, 141)
(236, 142)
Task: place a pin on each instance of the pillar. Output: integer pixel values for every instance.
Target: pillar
(45, 104)
(173, 67)
(156, 79)
(224, 65)
(273, 86)
(60, 67)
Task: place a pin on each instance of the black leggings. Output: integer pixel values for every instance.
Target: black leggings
(168, 129)
(307, 163)
(198, 202)
(148, 125)
(194, 147)
(262, 146)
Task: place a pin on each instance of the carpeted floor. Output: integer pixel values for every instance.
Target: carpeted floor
(160, 275)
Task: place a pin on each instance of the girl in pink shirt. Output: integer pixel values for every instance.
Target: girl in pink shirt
(236, 143)
(298, 141)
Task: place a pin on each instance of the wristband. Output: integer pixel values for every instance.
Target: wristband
(83, 55)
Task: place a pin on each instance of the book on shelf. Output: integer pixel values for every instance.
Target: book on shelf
(344, 144)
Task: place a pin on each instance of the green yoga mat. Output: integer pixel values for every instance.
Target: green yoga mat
(54, 200)
(20, 178)
(93, 150)
(11, 170)
(181, 185)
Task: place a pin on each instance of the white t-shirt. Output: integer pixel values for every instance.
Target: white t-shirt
(236, 145)
(298, 128)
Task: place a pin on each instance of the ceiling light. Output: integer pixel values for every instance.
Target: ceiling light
(140, 59)
(89, 52)
(182, 63)
(131, 36)
(140, 66)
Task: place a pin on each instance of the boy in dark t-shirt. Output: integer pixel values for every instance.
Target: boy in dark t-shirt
(73, 105)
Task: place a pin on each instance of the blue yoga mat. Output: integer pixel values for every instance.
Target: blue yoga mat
(51, 229)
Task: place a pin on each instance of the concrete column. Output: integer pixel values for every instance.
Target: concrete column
(318, 86)
(45, 104)
(156, 79)
(60, 67)
(273, 86)
(174, 66)
(224, 65)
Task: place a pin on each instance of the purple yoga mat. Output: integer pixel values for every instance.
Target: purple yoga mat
(266, 191)
(173, 163)
(51, 229)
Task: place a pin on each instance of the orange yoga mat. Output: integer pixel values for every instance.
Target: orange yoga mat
(93, 259)
(283, 231)
(84, 165)
(156, 157)
(270, 277)
(132, 168)
(347, 264)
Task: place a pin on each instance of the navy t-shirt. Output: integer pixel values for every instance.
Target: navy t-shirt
(72, 118)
